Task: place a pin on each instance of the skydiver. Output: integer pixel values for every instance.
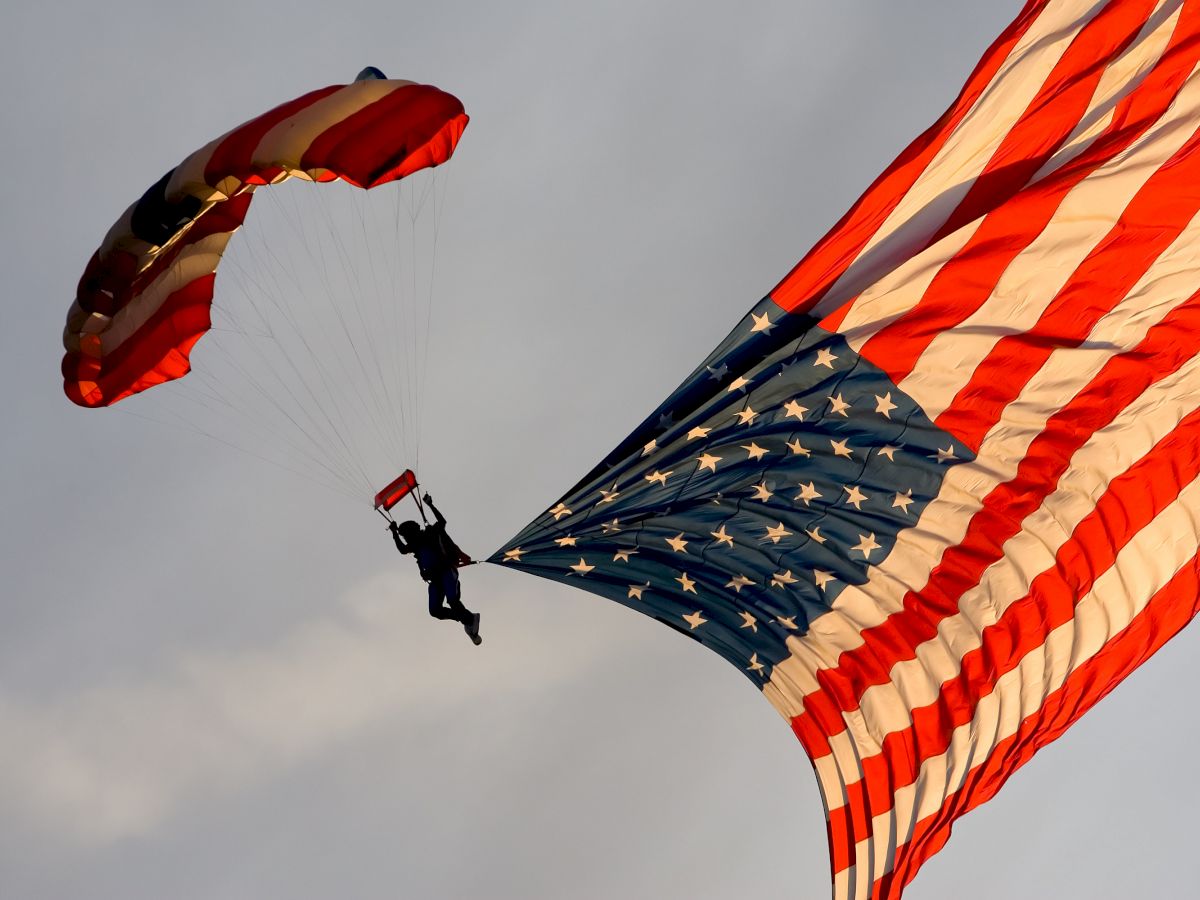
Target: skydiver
(438, 559)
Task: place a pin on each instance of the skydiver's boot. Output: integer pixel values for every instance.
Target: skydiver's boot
(472, 629)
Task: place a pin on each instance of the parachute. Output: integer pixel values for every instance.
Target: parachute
(936, 494)
(146, 297)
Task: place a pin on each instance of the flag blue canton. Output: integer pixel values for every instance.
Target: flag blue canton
(777, 474)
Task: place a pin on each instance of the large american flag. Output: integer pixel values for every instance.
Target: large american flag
(938, 492)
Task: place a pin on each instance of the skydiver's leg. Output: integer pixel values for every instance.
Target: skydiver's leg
(445, 589)
(437, 594)
(453, 592)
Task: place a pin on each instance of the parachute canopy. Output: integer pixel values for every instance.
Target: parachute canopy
(145, 295)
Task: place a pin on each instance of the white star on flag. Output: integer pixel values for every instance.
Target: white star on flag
(754, 451)
(695, 620)
(513, 555)
(722, 536)
(797, 449)
(825, 358)
(761, 492)
(559, 511)
(660, 477)
(944, 456)
(866, 544)
(686, 583)
(623, 555)
(776, 534)
(678, 544)
(761, 323)
(808, 492)
(708, 461)
(739, 582)
(903, 500)
(884, 405)
(855, 497)
(748, 621)
(783, 579)
(839, 406)
(636, 591)
(793, 409)
(582, 567)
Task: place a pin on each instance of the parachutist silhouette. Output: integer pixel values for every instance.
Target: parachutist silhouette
(438, 559)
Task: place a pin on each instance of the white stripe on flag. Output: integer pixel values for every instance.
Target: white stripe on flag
(1103, 457)
(967, 151)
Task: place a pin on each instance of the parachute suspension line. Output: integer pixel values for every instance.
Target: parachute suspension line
(368, 351)
(316, 250)
(358, 347)
(419, 309)
(347, 464)
(334, 436)
(223, 394)
(423, 361)
(405, 307)
(439, 204)
(185, 425)
(196, 394)
(377, 334)
(393, 303)
(332, 443)
(391, 386)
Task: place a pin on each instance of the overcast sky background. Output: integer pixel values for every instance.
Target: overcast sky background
(216, 682)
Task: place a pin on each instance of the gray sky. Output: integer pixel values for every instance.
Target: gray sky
(216, 682)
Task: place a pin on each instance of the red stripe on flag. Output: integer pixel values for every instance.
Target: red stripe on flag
(1054, 113)
(1131, 502)
(808, 281)
(967, 280)
(1170, 343)
(1168, 612)
(1169, 200)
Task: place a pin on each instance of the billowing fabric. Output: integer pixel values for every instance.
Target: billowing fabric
(145, 296)
(938, 493)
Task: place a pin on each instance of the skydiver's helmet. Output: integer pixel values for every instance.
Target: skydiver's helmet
(410, 530)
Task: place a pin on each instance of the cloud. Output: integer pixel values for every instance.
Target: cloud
(115, 760)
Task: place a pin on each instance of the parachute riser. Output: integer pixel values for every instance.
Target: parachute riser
(416, 495)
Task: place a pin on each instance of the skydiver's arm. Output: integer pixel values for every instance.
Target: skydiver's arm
(400, 545)
(441, 520)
